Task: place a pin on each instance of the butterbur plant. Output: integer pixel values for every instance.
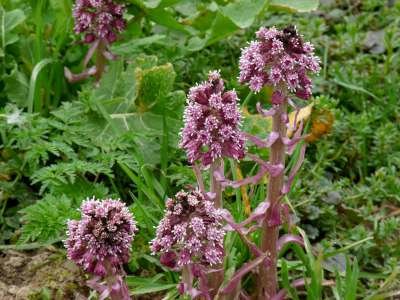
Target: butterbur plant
(281, 60)
(190, 238)
(100, 243)
(99, 21)
(278, 59)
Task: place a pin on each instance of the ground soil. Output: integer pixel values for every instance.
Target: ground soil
(42, 274)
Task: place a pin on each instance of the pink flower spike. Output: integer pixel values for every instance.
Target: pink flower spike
(212, 120)
(279, 58)
(191, 232)
(98, 19)
(101, 241)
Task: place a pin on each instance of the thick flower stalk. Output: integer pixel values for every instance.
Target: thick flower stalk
(190, 238)
(100, 243)
(211, 133)
(282, 60)
(99, 21)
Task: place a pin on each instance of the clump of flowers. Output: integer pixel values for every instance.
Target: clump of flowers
(101, 242)
(191, 232)
(212, 120)
(279, 58)
(98, 19)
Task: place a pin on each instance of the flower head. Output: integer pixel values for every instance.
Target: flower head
(280, 59)
(98, 19)
(101, 241)
(191, 232)
(212, 120)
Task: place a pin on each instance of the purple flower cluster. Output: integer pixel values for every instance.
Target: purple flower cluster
(101, 241)
(191, 232)
(212, 120)
(280, 59)
(98, 19)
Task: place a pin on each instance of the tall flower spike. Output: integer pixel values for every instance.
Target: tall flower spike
(98, 19)
(280, 59)
(212, 121)
(191, 232)
(101, 241)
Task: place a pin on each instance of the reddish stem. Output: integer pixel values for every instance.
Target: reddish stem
(216, 187)
(267, 284)
(216, 278)
(100, 59)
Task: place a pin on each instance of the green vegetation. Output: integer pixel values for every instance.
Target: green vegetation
(62, 143)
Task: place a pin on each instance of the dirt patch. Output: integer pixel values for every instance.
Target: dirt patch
(43, 274)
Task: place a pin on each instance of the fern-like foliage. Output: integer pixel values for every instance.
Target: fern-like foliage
(46, 220)
(77, 151)
(63, 173)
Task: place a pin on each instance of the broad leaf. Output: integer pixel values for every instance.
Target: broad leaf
(243, 12)
(8, 21)
(135, 44)
(221, 27)
(16, 87)
(295, 5)
(165, 18)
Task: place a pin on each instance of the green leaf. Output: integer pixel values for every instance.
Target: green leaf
(109, 87)
(351, 280)
(135, 44)
(295, 5)
(32, 83)
(16, 87)
(243, 12)
(140, 285)
(13, 18)
(164, 18)
(153, 85)
(151, 3)
(153, 288)
(46, 220)
(221, 27)
(8, 21)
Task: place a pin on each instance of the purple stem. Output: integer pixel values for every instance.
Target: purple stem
(100, 59)
(90, 52)
(216, 278)
(199, 178)
(217, 166)
(267, 281)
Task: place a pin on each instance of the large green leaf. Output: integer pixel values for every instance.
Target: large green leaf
(243, 12)
(139, 100)
(226, 21)
(165, 18)
(295, 5)
(141, 285)
(133, 45)
(8, 21)
(221, 27)
(16, 87)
